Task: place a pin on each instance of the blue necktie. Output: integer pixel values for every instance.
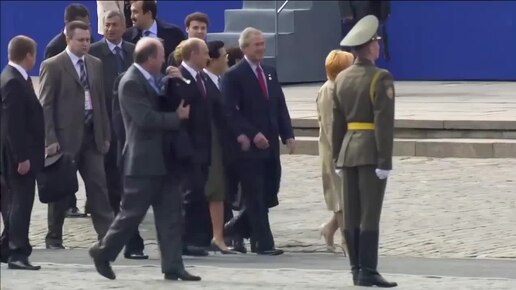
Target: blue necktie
(119, 60)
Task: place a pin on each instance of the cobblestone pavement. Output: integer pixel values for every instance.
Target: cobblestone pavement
(433, 208)
(149, 277)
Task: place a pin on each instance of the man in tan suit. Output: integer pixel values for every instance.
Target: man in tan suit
(76, 121)
(363, 129)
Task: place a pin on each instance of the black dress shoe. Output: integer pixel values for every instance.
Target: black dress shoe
(22, 264)
(374, 279)
(239, 246)
(75, 213)
(136, 256)
(101, 265)
(55, 247)
(182, 275)
(194, 251)
(273, 252)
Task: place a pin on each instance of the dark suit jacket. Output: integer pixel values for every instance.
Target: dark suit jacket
(171, 35)
(101, 51)
(251, 113)
(58, 45)
(199, 123)
(23, 130)
(145, 126)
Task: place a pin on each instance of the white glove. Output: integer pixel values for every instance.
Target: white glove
(382, 174)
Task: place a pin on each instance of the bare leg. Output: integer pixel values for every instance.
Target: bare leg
(328, 231)
(217, 221)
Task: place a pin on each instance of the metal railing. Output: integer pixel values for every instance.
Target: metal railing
(276, 33)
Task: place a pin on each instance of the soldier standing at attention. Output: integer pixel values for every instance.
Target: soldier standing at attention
(363, 129)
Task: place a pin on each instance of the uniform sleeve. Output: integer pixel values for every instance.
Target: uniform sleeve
(338, 129)
(384, 120)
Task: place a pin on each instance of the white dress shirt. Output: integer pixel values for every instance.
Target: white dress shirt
(153, 30)
(112, 46)
(18, 67)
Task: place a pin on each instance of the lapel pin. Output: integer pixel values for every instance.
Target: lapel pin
(270, 77)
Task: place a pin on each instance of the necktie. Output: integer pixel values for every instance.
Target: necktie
(119, 59)
(261, 80)
(219, 83)
(146, 33)
(29, 81)
(154, 83)
(200, 84)
(88, 114)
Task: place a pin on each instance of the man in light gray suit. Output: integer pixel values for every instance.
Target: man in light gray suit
(147, 179)
(76, 122)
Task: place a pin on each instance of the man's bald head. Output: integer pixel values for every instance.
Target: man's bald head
(149, 53)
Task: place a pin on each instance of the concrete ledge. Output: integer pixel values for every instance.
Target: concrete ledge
(440, 148)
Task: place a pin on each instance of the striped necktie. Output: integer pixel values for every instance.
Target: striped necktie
(88, 114)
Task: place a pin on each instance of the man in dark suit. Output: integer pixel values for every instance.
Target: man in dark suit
(76, 122)
(148, 180)
(23, 145)
(197, 220)
(259, 116)
(145, 23)
(73, 12)
(116, 56)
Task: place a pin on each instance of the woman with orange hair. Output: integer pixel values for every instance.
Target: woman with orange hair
(336, 61)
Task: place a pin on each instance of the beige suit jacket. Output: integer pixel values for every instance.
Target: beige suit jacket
(62, 97)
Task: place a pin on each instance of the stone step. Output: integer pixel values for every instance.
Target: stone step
(430, 129)
(439, 148)
(236, 20)
(231, 39)
(271, 5)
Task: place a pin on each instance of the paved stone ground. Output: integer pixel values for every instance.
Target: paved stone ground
(433, 208)
(148, 277)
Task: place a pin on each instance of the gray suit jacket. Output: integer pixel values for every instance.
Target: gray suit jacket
(145, 126)
(101, 50)
(62, 97)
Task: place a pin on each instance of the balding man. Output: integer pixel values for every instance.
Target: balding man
(23, 146)
(195, 56)
(147, 179)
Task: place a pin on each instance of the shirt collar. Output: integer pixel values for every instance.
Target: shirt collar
(145, 73)
(112, 45)
(19, 68)
(73, 57)
(190, 69)
(252, 64)
(213, 77)
(153, 29)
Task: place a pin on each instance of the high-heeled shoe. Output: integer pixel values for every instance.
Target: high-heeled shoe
(216, 248)
(322, 232)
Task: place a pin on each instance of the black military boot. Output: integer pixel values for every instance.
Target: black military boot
(368, 259)
(352, 237)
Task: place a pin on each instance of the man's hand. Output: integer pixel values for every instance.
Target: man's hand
(244, 142)
(174, 72)
(24, 167)
(105, 148)
(260, 141)
(382, 174)
(291, 145)
(182, 111)
(52, 149)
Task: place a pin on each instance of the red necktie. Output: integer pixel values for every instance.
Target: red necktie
(261, 80)
(200, 84)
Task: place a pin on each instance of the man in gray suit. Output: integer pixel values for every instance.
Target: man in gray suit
(147, 179)
(76, 122)
(116, 55)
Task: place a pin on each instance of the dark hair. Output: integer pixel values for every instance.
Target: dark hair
(72, 26)
(142, 55)
(149, 5)
(214, 48)
(19, 47)
(234, 53)
(197, 16)
(75, 11)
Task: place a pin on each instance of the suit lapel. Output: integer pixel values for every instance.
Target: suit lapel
(69, 67)
(139, 74)
(89, 70)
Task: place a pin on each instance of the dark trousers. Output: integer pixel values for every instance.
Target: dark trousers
(198, 231)
(90, 163)
(17, 200)
(140, 192)
(252, 178)
(115, 192)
